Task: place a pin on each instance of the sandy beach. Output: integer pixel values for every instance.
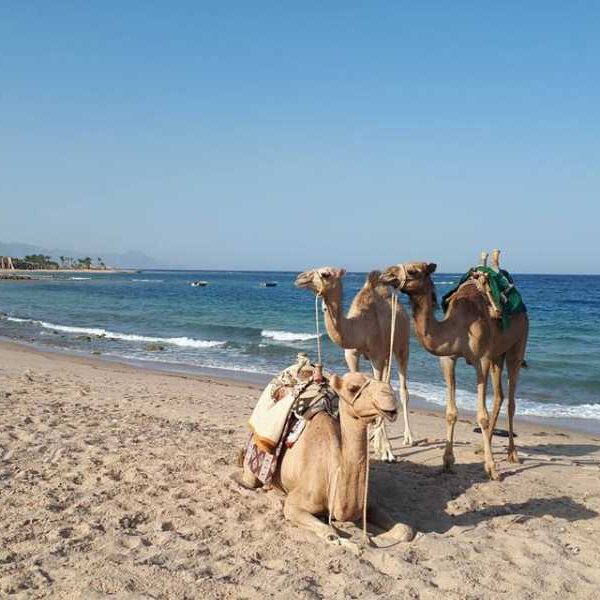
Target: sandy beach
(115, 482)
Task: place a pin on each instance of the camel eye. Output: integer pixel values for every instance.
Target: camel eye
(325, 275)
(411, 271)
(353, 388)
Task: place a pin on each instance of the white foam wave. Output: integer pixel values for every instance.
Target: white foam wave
(148, 280)
(79, 278)
(287, 336)
(468, 400)
(444, 282)
(184, 342)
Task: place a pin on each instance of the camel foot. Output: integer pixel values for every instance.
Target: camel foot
(335, 540)
(388, 456)
(490, 469)
(239, 479)
(408, 440)
(449, 463)
(513, 457)
(398, 533)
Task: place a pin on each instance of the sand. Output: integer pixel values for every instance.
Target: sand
(115, 482)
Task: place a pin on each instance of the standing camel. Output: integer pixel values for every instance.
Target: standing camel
(365, 330)
(467, 331)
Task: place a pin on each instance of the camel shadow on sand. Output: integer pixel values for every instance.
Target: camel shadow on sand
(420, 495)
(565, 450)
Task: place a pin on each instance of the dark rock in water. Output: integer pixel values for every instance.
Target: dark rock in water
(96, 352)
(15, 277)
(155, 347)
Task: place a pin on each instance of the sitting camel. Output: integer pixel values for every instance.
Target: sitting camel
(365, 330)
(467, 331)
(323, 473)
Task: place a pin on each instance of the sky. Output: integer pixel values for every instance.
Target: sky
(287, 135)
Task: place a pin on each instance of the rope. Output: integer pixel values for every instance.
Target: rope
(331, 506)
(365, 534)
(388, 376)
(318, 331)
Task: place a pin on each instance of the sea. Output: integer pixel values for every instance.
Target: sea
(235, 325)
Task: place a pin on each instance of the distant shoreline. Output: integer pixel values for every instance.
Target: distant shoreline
(33, 271)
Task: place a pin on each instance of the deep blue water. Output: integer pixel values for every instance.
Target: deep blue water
(235, 324)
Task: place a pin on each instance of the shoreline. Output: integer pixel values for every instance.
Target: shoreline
(78, 271)
(259, 380)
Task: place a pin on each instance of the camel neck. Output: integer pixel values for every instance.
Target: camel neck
(339, 327)
(434, 335)
(351, 477)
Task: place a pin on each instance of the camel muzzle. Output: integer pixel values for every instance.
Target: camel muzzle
(389, 277)
(388, 415)
(303, 280)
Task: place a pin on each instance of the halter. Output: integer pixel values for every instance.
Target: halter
(356, 396)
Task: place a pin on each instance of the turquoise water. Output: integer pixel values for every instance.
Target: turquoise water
(236, 324)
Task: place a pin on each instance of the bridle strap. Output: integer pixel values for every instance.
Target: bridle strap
(356, 396)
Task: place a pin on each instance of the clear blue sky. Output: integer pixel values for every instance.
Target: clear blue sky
(285, 135)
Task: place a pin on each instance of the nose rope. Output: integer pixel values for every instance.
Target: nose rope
(402, 276)
(317, 327)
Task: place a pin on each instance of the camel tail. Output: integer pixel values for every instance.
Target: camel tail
(373, 278)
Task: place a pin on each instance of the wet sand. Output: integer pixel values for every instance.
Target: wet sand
(115, 482)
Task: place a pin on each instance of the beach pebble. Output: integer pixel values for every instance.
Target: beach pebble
(7, 556)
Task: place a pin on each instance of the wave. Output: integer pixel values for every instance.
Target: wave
(287, 336)
(148, 280)
(468, 400)
(79, 278)
(184, 342)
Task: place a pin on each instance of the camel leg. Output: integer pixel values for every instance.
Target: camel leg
(393, 531)
(448, 365)
(381, 443)
(483, 418)
(497, 366)
(306, 520)
(514, 359)
(352, 358)
(402, 368)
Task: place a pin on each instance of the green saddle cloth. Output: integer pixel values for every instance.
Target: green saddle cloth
(503, 290)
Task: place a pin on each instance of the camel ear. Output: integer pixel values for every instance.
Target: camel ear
(341, 272)
(335, 382)
(431, 267)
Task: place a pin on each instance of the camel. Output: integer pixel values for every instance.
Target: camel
(323, 473)
(467, 331)
(365, 330)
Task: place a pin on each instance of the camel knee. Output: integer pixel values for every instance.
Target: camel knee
(451, 417)
(484, 422)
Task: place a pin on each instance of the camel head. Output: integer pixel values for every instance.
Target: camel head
(409, 277)
(365, 398)
(321, 280)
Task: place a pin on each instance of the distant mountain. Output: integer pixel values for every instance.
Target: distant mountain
(131, 259)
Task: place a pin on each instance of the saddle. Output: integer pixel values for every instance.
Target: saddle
(286, 405)
(498, 289)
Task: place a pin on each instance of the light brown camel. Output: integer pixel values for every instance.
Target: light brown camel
(324, 471)
(365, 330)
(467, 331)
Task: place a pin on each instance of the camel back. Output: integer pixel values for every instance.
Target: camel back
(499, 290)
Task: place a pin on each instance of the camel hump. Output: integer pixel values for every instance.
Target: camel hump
(373, 278)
